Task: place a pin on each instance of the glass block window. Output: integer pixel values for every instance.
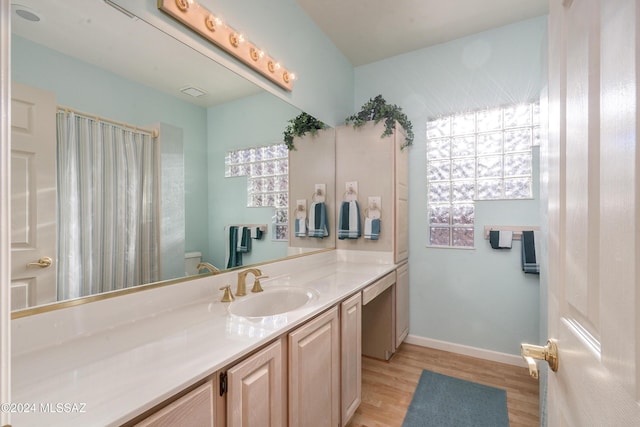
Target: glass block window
(267, 172)
(480, 155)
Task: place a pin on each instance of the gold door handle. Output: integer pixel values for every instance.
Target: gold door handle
(43, 262)
(548, 352)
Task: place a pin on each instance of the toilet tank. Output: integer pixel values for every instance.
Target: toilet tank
(191, 261)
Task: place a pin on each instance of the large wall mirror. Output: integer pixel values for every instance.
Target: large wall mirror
(217, 164)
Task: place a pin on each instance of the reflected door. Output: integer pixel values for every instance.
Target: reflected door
(33, 196)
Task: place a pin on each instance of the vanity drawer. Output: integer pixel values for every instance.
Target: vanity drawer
(375, 289)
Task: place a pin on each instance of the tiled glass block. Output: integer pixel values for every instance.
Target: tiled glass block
(463, 168)
(232, 171)
(489, 143)
(517, 115)
(282, 166)
(537, 135)
(282, 152)
(439, 236)
(269, 199)
(244, 156)
(438, 148)
(281, 183)
(489, 189)
(244, 169)
(255, 185)
(268, 152)
(256, 169)
(517, 140)
(463, 124)
(463, 191)
(439, 192)
(233, 156)
(281, 200)
(269, 167)
(489, 167)
(462, 237)
(517, 188)
(517, 164)
(462, 146)
(463, 214)
(438, 128)
(255, 200)
(255, 154)
(439, 170)
(489, 120)
(439, 214)
(280, 232)
(281, 216)
(269, 183)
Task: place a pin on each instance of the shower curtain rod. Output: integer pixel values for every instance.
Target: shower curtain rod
(153, 132)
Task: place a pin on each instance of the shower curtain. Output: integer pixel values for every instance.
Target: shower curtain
(107, 206)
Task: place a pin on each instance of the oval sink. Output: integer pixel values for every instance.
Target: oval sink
(272, 301)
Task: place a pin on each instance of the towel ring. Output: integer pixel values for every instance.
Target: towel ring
(319, 195)
(351, 193)
(373, 213)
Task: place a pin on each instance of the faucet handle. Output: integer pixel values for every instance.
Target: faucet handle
(228, 296)
(256, 284)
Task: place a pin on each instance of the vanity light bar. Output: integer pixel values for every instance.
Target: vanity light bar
(194, 16)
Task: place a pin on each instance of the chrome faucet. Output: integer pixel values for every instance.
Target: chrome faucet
(210, 267)
(241, 290)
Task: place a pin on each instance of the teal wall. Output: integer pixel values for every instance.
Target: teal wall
(248, 122)
(93, 90)
(478, 297)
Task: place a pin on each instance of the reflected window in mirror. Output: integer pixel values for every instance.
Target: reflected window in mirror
(267, 172)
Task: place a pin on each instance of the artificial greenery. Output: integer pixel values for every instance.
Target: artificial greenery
(377, 109)
(299, 126)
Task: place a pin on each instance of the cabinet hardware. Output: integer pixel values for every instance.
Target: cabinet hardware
(223, 383)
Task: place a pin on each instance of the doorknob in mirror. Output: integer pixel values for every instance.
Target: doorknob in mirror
(43, 262)
(531, 353)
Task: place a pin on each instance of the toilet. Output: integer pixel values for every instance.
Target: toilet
(191, 261)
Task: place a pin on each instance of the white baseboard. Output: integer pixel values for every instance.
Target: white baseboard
(481, 353)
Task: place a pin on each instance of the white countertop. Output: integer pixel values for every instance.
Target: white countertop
(112, 374)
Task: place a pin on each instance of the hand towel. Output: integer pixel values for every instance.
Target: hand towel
(372, 228)
(529, 258)
(349, 224)
(318, 221)
(233, 258)
(244, 240)
(256, 233)
(301, 227)
(501, 239)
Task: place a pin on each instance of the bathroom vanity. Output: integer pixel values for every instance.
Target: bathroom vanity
(178, 353)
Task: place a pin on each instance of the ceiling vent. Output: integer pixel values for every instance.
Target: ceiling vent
(193, 91)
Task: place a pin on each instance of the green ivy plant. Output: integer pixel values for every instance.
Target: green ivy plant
(299, 126)
(377, 109)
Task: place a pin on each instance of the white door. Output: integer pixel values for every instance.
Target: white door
(33, 196)
(594, 212)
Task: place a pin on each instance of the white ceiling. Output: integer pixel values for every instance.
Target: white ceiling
(364, 30)
(370, 30)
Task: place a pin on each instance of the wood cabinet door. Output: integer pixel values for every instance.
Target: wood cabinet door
(402, 303)
(351, 355)
(254, 396)
(314, 372)
(194, 409)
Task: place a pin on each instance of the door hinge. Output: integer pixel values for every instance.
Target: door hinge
(223, 383)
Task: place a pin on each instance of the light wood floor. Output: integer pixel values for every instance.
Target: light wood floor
(387, 387)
